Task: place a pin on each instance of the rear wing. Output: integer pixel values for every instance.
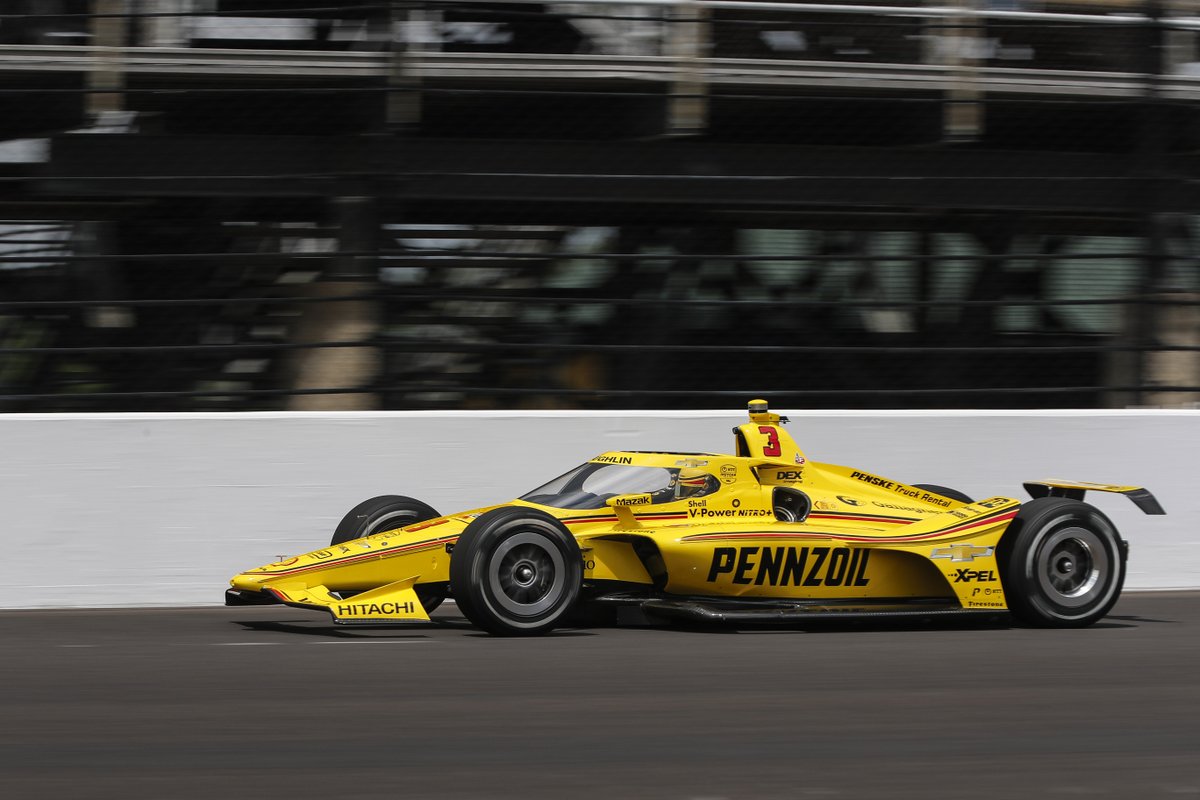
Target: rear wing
(1075, 490)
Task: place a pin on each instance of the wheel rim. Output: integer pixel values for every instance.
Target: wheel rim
(526, 574)
(389, 521)
(1071, 566)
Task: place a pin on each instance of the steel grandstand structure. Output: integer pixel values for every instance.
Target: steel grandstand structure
(252, 204)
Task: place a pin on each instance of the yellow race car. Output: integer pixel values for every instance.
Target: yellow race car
(761, 536)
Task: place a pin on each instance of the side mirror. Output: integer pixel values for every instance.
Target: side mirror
(622, 505)
(626, 500)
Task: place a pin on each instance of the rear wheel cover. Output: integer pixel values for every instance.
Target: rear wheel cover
(1069, 565)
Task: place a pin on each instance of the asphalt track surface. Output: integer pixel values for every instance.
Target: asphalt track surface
(273, 702)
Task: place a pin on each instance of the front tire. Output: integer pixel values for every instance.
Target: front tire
(516, 571)
(1063, 566)
(385, 513)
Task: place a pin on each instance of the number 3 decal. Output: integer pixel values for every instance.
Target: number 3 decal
(771, 449)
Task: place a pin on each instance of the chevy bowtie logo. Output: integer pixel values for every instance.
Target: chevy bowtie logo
(962, 552)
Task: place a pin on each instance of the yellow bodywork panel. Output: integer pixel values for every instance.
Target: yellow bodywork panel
(608, 560)
(831, 558)
(392, 602)
(379, 572)
(968, 561)
(351, 567)
(801, 568)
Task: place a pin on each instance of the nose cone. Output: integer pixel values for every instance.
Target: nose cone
(247, 581)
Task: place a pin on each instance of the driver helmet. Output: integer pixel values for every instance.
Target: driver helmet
(694, 482)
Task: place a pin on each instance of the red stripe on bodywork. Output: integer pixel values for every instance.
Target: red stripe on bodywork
(709, 537)
(613, 518)
(575, 520)
(861, 517)
(977, 522)
(367, 556)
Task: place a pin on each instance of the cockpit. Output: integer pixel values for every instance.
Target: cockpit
(590, 485)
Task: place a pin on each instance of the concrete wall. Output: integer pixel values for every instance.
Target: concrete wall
(161, 509)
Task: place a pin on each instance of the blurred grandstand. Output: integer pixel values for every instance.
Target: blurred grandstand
(260, 204)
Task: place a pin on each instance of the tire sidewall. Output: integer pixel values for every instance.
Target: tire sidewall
(1043, 522)
(473, 567)
(369, 515)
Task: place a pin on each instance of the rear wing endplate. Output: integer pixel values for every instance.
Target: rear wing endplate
(1075, 490)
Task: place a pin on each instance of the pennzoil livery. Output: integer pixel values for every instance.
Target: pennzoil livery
(764, 535)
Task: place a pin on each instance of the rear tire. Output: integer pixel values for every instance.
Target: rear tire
(953, 494)
(516, 571)
(1062, 564)
(385, 513)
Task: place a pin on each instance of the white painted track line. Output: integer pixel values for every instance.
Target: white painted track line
(376, 641)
